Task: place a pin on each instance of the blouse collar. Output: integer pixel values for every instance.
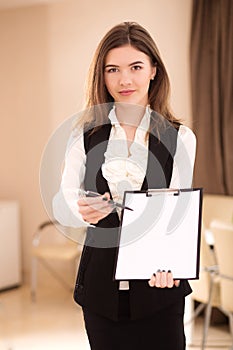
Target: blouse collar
(144, 124)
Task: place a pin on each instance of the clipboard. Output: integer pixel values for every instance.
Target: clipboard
(162, 232)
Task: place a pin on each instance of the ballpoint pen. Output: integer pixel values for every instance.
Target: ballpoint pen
(96, 194)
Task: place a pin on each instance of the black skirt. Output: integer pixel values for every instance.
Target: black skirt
(162, 331)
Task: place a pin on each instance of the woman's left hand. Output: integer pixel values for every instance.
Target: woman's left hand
(163, 279)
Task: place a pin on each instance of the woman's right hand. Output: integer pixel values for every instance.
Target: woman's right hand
(94, 209)
(163, 279)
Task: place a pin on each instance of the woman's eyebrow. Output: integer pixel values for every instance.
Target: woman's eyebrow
(111, 65)
(131, 64)
(136, 62)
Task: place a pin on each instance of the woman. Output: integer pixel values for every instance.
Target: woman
(129, 140)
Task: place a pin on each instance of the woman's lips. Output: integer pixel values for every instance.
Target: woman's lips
(126, 92)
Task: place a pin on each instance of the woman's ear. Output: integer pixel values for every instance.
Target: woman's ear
(154, 70)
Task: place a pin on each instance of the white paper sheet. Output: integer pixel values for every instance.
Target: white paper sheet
(162, 232)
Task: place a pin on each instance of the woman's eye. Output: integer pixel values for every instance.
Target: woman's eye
(136, 67)
(112, 70)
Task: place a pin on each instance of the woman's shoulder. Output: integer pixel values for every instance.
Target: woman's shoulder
(75, 140)
(186, 139)
(186, 133)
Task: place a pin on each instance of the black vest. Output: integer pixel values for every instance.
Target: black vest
(95, 287)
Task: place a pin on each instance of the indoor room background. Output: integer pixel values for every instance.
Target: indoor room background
(46, 49)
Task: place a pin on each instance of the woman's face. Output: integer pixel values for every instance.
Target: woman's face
(127, 75)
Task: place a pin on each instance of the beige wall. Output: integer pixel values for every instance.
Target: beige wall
(24, 112)
(74, 31)
(45, 54)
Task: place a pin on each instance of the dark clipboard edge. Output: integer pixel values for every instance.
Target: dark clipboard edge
(199, 230)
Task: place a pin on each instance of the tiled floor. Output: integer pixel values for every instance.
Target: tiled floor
(55, 322)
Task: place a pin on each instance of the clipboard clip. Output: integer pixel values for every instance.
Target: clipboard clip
(159, 191)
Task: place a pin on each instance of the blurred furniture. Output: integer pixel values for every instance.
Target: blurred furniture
(206, 290)
(216, 207)
(50, 247)
(10, 247)
(223, 235)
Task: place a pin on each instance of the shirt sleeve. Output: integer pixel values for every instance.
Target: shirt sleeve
(184, 159)
(65, 207)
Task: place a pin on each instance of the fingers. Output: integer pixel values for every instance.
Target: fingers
(163, 279)
(177, 283)
(170, 280)
(93, 209)
(152, 281)
(93, 203)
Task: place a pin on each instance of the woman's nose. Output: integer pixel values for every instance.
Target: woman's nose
(125, 79)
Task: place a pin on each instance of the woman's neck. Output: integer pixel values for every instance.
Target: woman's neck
(129, 114)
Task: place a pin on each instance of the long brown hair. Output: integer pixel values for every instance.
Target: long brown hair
(98, 98)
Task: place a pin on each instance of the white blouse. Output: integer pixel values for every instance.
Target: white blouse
(124, 168)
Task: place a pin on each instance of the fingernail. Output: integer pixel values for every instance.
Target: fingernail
(169, 271)
(104, 198)
(163, 271)
(154, 274)
(158, 270)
